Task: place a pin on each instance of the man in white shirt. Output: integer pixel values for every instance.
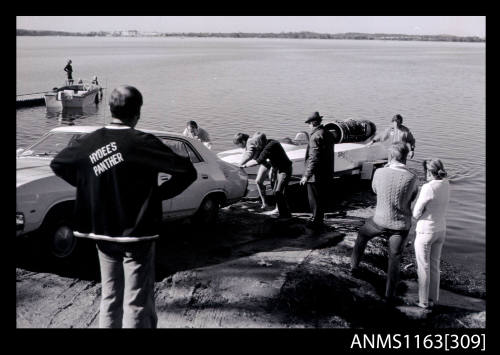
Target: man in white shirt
(193, 131)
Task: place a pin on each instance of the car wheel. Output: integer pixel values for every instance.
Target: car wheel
(208, 211)
(61, 241)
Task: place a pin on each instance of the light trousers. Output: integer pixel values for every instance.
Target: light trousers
(127, 282)
(428, 247)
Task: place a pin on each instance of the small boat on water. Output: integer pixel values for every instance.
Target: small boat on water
(73, 96)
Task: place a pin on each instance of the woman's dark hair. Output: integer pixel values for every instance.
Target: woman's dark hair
(192, 124)
(435, 167)
(240, 138)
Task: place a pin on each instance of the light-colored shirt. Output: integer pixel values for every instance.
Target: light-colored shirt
(202, 136)
(401, 134)
(431, 205)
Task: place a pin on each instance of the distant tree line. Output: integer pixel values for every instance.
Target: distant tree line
(298, 35)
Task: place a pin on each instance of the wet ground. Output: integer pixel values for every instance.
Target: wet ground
(252, 270)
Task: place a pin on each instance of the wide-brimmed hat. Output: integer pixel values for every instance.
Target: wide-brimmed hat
(314, 117)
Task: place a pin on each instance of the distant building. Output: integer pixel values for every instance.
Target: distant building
(150, 34)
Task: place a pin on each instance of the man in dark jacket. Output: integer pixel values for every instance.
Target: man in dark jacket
(319, 168)
(274, 154)
(119, 204)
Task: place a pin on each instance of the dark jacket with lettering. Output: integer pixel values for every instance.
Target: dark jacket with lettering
(115, 172)
(319, 159)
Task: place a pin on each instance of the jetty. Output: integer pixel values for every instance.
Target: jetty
(30, 100)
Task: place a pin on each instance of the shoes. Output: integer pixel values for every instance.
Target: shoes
(276, 214)
(275, 211)
(429, 306)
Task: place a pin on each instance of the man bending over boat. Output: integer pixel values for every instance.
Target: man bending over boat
(252, 147)
(276, 155)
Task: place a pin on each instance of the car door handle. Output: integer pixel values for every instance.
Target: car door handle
(204, 176)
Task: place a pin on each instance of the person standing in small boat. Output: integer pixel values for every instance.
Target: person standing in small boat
(319, 168)
(69, 70)
(280, 163)
(192, 130)
(430, 211)
(252, 148)
(397, 133)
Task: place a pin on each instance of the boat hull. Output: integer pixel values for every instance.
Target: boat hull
(69, 99)
(348, 156)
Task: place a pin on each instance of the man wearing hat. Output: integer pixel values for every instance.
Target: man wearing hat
(397, 133)
(319, 168)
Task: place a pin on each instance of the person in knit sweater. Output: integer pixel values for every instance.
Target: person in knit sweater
(430, 210)
(396, 188)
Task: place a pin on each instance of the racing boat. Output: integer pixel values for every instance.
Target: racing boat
(353, 154)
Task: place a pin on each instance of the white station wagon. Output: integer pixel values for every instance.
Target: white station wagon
(44, 202)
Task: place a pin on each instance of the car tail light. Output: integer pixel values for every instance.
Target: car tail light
(19, 221)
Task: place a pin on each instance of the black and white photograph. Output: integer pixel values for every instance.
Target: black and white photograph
(270, 172)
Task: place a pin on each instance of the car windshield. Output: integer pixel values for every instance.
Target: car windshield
(51, 144)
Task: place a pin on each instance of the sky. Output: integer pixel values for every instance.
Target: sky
(419, 25)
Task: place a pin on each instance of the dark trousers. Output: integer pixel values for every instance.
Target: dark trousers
(317, 193)
(396, 240)
(282, 179)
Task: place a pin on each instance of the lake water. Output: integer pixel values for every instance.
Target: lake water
(272, 85)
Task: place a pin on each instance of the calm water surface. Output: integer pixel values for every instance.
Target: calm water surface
(232, 85)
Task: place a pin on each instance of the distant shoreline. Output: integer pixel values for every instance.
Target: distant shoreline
(291, 35)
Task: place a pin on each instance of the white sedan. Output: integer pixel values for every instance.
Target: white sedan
(44, 202)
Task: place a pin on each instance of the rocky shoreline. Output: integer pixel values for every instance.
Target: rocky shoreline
(251, 270)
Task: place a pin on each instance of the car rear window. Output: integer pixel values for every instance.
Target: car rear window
(182, 149)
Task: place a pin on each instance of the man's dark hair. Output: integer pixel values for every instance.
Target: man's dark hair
(240, 138)
(192, 124)
(397, 117)
(398, 151)
(125, 103)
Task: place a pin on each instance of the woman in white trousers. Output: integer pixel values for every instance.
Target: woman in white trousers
(430, 212)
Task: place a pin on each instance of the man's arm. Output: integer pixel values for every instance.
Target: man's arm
(64, 163)
(313, 160)
(381, 137)
(422, 200)
(248, 153)
(205, 137)
(264, 154)
(161, 158)
(410, 140)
